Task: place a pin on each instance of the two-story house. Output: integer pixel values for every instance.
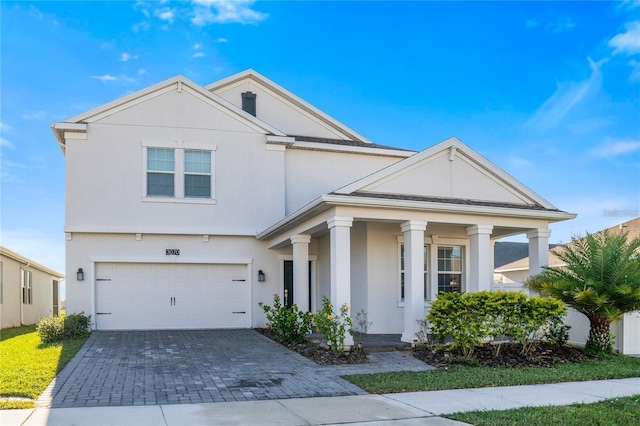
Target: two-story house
(186, 206)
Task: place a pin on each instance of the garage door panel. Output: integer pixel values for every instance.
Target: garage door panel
(170, 296)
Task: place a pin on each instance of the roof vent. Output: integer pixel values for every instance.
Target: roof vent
(249, 103)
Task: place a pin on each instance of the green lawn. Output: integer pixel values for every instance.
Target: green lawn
(461, 377)
(612, 412)
(27, 367)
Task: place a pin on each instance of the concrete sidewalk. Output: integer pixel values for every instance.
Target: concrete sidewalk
(413, 408)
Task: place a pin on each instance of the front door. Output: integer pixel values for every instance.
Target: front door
(288, 285)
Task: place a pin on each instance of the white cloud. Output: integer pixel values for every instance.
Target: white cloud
(121, 78)
(4, 127)
(614, 148)
(165, 14)
(197, 46)
(519, 162)
(628, 42)
(105, 77)
(5, 143)
(36, 115)
(222, 40)
(226, 12)
(124, 57)
(199, 55)
(531, 23)
(141, 26)
(142, 71)
(560, 25)
(566, 97)
(33, 11)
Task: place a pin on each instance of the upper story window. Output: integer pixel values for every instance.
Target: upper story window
(160, 171)
(179, 172)
(450, 263)
(402, 274)
(197, 173)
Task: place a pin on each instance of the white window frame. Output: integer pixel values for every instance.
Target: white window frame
(179, 148)
(459, 273)
(427, 291)
(186, 173)
(26, 284)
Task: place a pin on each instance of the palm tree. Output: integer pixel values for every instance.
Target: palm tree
(600, 278)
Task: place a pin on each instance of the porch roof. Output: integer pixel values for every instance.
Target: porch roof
(387, 202)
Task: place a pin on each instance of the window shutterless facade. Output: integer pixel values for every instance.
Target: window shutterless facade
(178, 174)
(160, 172)
(197, 173)
(450, 264)
(426, 275)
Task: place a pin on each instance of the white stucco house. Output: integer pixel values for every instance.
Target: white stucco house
(187, 205)
(513, 275)
(29, 291)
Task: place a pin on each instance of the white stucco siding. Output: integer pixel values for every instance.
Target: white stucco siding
(87, 250)
(106, 175)
(440, 177)
(311, 173)
(359, 268)
(13, 312)
(383, 306)
(281, 114)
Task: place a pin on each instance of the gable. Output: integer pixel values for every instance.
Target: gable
(184, 109)
(281, 108)
(449, 170)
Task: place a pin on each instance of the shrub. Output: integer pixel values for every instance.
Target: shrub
(55, 329)
(51, 329)
(471, 317)
(334, 326)
(76, 325)
(557, 333)
(289, 325)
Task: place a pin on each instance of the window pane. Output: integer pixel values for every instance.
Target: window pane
(197, 161)
(160, 159)
(197, 186)
(449, 282)
(160, 184)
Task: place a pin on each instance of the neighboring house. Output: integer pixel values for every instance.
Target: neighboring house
(186, 206)
(506, 252)
(28, 290)
(513, 275)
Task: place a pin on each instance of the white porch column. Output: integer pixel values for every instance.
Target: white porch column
(480, 274)
(413, 277)
(301, 270)
(538, 249)
(340, 246)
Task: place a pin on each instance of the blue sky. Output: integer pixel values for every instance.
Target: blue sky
(548, 91)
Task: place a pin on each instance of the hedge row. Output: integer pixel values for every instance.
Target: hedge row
(55, 329)
(470, 318)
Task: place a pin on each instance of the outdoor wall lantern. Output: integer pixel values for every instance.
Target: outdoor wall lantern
(80, 274)
(261, 276)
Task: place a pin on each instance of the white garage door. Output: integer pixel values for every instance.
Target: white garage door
(142, 296)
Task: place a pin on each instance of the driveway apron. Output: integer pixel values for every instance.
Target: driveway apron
(123, 368)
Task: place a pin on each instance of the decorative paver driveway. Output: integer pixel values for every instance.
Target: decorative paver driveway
(121, 368)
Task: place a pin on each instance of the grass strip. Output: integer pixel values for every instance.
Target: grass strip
(27, 366)
(463, 377)
(617, 411)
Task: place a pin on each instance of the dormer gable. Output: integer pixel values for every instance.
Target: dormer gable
(279, 107)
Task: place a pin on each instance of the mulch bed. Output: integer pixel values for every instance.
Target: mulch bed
(544, 355)
(321, 354)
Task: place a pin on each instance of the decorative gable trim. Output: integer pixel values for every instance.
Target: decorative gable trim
(288, 97)
(456, 150)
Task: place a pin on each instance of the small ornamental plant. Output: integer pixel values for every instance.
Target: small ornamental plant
(289, 326)
(334, 325)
